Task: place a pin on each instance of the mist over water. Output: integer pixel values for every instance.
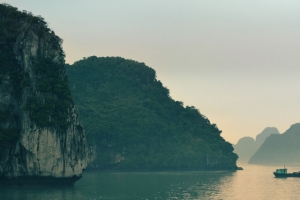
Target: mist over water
(254, 182)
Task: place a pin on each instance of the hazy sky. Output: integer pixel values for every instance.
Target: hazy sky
(236, 61)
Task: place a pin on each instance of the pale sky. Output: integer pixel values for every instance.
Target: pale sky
(237, 61)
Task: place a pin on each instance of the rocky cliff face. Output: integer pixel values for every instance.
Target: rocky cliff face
(40, 134)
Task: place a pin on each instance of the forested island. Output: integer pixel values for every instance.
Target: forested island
(132, 123)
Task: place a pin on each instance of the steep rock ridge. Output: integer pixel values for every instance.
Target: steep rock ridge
(40, 135)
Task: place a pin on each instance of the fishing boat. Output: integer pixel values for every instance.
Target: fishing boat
(282, 173)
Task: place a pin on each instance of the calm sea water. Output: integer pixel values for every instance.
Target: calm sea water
(254, 182)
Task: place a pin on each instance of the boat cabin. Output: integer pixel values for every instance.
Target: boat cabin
(281, 171)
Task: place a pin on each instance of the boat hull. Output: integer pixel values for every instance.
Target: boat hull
(277, 175)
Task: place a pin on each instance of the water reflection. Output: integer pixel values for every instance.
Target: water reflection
(40, 192)
(255, 182)
(153, 185)
(202, 185)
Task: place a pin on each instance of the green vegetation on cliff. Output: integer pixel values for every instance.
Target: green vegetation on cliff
(52, 111)
(134, 124)
(49, 106)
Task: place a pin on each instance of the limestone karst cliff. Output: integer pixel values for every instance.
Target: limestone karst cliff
(41, 138)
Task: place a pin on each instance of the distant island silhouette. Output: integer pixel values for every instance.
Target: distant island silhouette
(280, 149)
(247, 146)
